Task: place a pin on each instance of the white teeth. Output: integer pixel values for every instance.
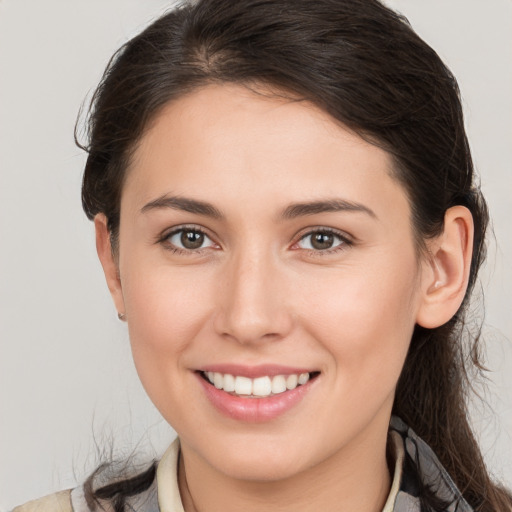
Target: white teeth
(259, 387)
(262, 386)
(303, 378)
(292, 381)
(218, 380)
(278, 384)
(229, 383)
(243, 386)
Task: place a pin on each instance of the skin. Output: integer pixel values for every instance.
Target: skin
(257, 292)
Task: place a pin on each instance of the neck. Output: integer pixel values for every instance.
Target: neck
(355, 478)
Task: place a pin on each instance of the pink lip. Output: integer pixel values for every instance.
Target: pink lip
(253, 372)
(254, 410)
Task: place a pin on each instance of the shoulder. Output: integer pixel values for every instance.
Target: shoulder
(58, 502)
(150, 491)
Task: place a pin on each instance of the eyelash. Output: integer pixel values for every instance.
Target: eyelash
(168, 245)
(345, 241)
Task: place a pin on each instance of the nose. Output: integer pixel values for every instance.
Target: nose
(252, 304)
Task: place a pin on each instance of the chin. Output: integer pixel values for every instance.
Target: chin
(263, 458)
(269, 469)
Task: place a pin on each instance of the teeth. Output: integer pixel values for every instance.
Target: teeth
(218, 380)
(243, 386)
(278, 384)
(259, 387)
(303, 378)
(262, 386)
(229, 383)
(292, 381)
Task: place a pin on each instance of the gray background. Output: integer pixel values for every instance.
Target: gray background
(68, 388)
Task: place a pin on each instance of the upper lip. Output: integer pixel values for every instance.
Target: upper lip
(253, 372)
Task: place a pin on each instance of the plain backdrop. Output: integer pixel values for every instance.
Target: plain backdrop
(67, 384)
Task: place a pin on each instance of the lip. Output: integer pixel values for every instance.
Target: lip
(254, 410)
(252, 372)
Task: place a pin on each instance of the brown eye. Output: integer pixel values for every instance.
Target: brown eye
(189, 239)
(322, 241)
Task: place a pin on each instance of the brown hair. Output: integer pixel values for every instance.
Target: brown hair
(364, 65)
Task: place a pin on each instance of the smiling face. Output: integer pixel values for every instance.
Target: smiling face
(261, 245)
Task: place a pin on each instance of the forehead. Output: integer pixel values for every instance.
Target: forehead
(225, 142)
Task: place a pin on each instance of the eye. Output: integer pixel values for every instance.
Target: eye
(189, 239)
(322, 240)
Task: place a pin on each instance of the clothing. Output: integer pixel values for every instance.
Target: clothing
(415, 466)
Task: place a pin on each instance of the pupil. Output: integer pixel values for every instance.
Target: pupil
(322, 240)
(192, 239)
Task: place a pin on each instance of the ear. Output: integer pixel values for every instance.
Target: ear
(445, 272)
(109, 263)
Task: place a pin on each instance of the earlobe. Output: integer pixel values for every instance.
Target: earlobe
(446, 270)
(108, 262)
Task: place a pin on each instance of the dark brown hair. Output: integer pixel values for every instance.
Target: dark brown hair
(364, 65)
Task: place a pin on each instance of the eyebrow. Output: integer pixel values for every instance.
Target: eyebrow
(330, 205)
(290, 212)
(184, 204)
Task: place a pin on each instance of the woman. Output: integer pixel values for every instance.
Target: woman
(287, 219)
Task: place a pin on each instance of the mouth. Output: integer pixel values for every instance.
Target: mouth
(256, 394)
(264, 386)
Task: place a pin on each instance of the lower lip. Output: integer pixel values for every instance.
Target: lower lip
(254, 410)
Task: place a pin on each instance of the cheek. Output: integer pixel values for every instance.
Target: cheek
(165, 312)
(166, 309)
(365, 321)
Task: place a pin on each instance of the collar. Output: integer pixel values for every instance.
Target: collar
(399, 454)
(169, 499)
(423, 470)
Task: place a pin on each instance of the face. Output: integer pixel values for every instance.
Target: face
(270, 280)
